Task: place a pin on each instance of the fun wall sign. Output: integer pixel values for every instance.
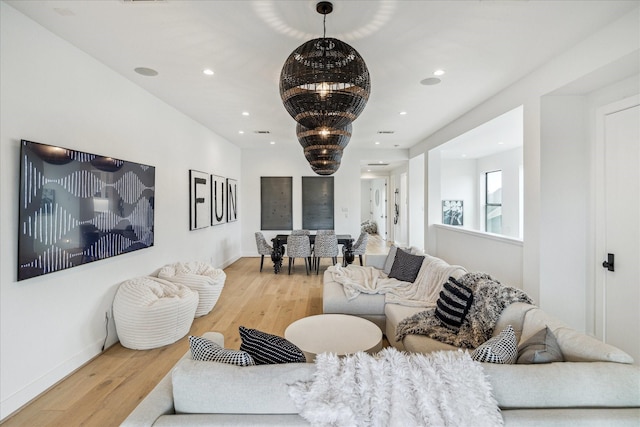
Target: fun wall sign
(213, 200)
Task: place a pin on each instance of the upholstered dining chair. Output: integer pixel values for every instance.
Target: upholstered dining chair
(359, 247)
(298, 246)
(325, 232)
(325, 246)
(300, 232)
(263, 247)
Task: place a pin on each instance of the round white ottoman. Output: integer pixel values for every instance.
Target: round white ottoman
(200, 277)
(150, 312)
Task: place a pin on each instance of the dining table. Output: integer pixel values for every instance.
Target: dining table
(279, 242)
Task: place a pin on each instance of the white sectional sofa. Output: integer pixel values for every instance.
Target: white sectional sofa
(570, 393)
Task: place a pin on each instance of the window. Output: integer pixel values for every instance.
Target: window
(493, 202)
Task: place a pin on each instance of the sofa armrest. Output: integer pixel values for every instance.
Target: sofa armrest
(376, 260)
(157, 403)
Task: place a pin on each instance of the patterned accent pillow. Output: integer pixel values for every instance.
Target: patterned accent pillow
(406, 266)
(500, 349)
(391, 257)
(453, 304)
(542, 347)
(206, 350)
(269, 349)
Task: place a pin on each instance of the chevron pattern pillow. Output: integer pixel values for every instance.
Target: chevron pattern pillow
(406, 266)
(453, 304)
(500, 349)
(206, 350)
(269, 349)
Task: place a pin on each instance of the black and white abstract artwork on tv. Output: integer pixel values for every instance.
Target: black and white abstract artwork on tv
(77, 207)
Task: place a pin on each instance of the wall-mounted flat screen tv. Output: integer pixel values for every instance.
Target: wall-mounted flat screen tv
(77, 207)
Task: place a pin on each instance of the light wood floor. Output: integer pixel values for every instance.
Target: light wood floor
(104, 391)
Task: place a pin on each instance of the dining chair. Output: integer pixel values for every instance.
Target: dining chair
(300, 232)
(325, 246)
(263, 247)
(298, 246)
(325, 232)
(359, 247)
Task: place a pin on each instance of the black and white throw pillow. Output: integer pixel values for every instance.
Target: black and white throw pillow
(500, 349)
(206, 350)
(453, 304)
(542, 347)
(406, 266)
(269, 349)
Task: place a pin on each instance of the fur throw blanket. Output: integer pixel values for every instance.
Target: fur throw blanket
(489, 299)
(395, 388)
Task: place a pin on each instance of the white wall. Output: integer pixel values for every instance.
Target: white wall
(613, 42)
(275, 161)
(416, 201)
(500, 257)
(55, 94)
(459, 181)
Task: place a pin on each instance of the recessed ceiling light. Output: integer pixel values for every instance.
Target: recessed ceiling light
(377, 143)
(403, 113)
(240, 132)
(208, 72)
(368, 170)
(500, 143)
(380, 161)
(272, 143)
(438, 73)
(430, 81)
(144, 71)
(245, 113)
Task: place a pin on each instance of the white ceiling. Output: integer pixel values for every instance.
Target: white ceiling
(483, 46)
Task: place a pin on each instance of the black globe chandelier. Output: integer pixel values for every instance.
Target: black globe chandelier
(324, 85)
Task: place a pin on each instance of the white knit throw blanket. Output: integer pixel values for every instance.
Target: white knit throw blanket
(394, 388)
(423, 292)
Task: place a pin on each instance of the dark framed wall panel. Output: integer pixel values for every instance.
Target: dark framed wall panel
(276, 203)
(317, 203)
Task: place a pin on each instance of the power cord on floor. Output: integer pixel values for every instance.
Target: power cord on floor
(106, 318)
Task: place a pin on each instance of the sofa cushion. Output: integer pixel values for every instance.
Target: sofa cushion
(406, 266)
(269, 349)
(453, 304)
(575, 346)
(210, 387)
(207, 351)
(499, 349)
(334, 300)
(542, 347)
(564, 385)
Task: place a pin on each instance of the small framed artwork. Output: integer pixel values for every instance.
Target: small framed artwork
(453, 212)
(199, 200)
(232, 200)
(218, 197)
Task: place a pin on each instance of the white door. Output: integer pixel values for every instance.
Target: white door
(619, 227)
(379, 208)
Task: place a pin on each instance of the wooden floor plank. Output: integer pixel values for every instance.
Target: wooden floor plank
(104, 391)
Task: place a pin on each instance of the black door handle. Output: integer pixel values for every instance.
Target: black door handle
(608, 264)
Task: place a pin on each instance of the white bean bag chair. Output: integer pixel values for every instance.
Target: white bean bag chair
(150, 312)
(200, 277)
